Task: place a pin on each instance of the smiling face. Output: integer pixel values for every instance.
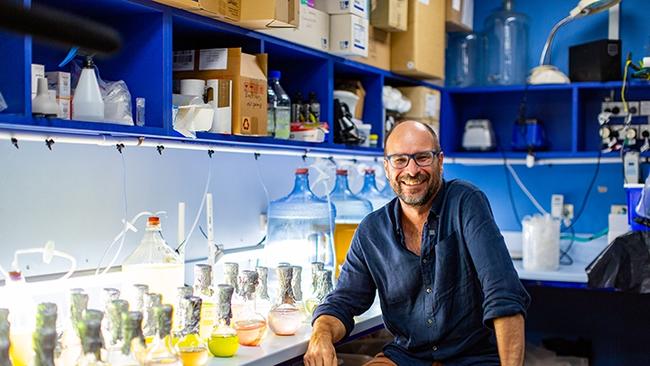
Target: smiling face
(414, 185)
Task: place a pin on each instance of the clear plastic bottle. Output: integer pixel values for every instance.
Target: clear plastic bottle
(154, 263)
(350, 210)
(203, 289)
(191, 347)
(282, 106)
(271, 100)
(5, 344)
(162, 352)
(463, 58)
(506, 45)
(250, 325)
(299, 228)
(45, 335)
(223, 340)
(285, 316)
(370, 192)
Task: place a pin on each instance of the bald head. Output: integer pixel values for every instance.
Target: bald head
(409, 133)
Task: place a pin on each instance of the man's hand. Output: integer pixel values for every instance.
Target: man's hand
(510, 339)
(327, 331)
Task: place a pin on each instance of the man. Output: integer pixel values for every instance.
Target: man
(447, 287)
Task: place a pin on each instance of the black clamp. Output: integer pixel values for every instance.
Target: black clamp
(49, 143)
(160, 149)
(14, 141)
(256, 155)
(210, 153)
(120, 147)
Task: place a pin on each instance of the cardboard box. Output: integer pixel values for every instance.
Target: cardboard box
(389, 15)
(467, 18)
(356, 7)
(348, 35)
(248, 74)
(38, 71)
(454, 16)
(219, 96)
(60, 82)
(313, 29)
(257, 14)
(64, 108)
(420, 51)
(425, 102)
(218, 9)
(378, 49)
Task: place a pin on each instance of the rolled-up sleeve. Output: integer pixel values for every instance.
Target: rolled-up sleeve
(355, 289)
(503, 292)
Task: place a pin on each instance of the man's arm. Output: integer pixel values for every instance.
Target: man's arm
(327, 330)
(510, 339)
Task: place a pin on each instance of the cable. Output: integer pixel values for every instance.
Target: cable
(259, 176)
(198, 213)
(565, 253)
(623, 87)
(525, 190)
(508, 183)
(587, 239)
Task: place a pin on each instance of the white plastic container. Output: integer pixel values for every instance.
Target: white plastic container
(364, 132)
(87, 104)
(541, 243)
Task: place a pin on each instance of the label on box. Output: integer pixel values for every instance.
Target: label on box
(455, 4)
(425, 2)
(183, 61)
(213, 59)
(359, 5)
(359, 36)
(431, 105)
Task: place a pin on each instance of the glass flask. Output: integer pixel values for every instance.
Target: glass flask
(191, 347)
(91, 341)
(299, 228)
(4, 338)
(323, 286)
(179, 318)
(107, 296)
(231, 275)
(45, 336)
(296, 282)
(262, 290)
(203, 289)
(162, 351)
(506, 47)
(350, 210)
(285, 317)
(137, 297)
(249, 324)
(70, 341)
(132, 351)
(463, 55)
(315, 267)
(154, 263)
(223, 340)
(150, 322)
(370, 192)
(114, 326)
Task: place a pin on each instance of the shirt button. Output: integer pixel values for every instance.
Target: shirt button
(434, 348)
(429, 321)
(424, 260)
(428, 290)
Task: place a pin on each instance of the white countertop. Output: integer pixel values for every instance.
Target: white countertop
(276, 349)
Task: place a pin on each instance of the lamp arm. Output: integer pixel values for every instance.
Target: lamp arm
(547, 46)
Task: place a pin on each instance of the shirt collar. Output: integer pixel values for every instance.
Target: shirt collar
(434, 212)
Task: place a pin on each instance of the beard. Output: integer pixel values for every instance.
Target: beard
(419, 199)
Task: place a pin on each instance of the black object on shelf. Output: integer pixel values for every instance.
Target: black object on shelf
(596, 61)
(345, 131)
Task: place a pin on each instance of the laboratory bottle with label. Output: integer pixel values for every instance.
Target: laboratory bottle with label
(162, 352)
(285, 316)
(191, 347)
(249, 324)
(282, 106)
(223, 341)
(370, 192)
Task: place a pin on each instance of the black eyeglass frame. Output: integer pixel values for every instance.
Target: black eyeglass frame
(434, 154)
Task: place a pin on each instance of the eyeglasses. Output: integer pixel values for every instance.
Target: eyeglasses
(422, 159)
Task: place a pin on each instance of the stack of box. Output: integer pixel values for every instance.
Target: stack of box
(59, 83)
(460, 15)
(348, 26)
(313, 29)
(425, 105)
(229, 10)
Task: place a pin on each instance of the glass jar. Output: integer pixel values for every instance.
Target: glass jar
(223, 340)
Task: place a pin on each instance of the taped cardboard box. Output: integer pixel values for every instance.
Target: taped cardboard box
(313, 29)
(378, 49)
(425, 102)
(420, 51)
(348, 35)
(219, 9)
(356, 7)
(454, 16)
(249, 83)
(389, 15)
(263, 14)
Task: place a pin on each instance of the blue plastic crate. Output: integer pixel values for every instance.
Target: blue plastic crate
(633, 193)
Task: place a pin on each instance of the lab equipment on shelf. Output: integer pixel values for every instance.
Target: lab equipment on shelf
(281, 107)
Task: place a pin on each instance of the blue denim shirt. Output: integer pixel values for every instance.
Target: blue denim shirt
(439, 305)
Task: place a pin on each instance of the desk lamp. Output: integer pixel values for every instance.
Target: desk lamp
(548, 74)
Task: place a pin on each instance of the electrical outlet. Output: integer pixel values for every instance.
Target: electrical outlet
(617, 109)
(567, 211)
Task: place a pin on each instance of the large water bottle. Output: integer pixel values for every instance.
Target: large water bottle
(282, 107)
(463, 55)
(370, 192)
(299, 229)
(350, 210)
(506, 37)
